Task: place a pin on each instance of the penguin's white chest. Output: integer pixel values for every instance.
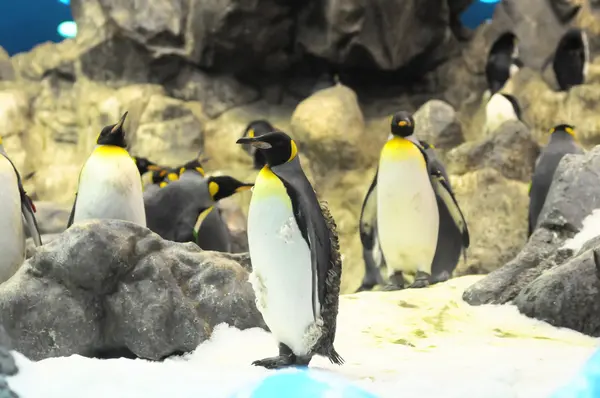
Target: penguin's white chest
(407, 213)
(110, 187)
(498, 110)
(12, 234)
(281, 265)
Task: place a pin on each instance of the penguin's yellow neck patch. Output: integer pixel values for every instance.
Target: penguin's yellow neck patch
(268, 185)
(401, 149)
(213, 189)
(111, 151)
(0, 140)
(294, 151)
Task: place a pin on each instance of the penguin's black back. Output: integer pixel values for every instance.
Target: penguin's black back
(569, 60)
(497, 69)
(560, 145)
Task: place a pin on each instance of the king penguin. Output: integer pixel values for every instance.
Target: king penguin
(144, 165)
(408, 218)
(502, 62)
(501, 107)
(110, 185)
(571, 59)
(450, 241)
(295, 256)
(182, 211)
(256, 128)
(17, 213)
(562, 142)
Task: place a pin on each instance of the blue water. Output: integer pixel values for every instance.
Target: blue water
(26, 23)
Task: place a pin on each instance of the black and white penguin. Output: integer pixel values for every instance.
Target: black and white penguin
(17, 213)
(110, 185)
(501, 107)
(502, 62)
(571, 59)
(562, 142)
(408, 189)
(296, 265)
(450, 240)
(257, 128)
(144, 165)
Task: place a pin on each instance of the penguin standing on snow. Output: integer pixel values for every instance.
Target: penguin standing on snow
(110, 185)
(295, 256)
(502, 62)
(562, 142)
(501, 108)
(256, 129)
(408, 219)
(571, 59)
(450, 241)
(17, 208)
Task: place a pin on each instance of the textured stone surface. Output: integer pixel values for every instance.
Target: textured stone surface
(109, 287)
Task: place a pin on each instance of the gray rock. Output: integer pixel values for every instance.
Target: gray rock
(383, 35)
(511, 149)
(217, 93)
(574, 194)
(6, 69)
(436, 123)
(30, 246)
(111, 286)
(567, 295)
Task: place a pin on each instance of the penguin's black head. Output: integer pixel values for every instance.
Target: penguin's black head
(144, 165)
(257, 128)
(573, 40)
(277, 147)
(563, 129)
(221, 187)
(506, 43)
(113, 134)
(403, 125)
(192, 165)
(159, 175)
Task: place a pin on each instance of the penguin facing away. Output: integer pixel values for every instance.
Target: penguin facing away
(256, 128)
(110, 185)
(571, 59)
(295, 256)
(502, 62)
(17, 213)
(407, 206)
(562, 142)
(450, 242)
(501, 107)
(173, 211)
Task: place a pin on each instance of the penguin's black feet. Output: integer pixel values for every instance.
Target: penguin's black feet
(285, 359)
(442, 277)
(390, 287)
(396, 282)
(364, 288)
(421, 280)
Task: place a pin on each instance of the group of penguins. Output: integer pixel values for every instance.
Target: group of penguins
(293, 245)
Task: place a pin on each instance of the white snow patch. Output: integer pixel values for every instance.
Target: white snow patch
(589, 230)
(221, 366)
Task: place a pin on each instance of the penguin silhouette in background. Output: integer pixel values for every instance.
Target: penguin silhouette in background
(144, 165)
(562, 142)
(296, 264)
(571, 59)
(502, 62)
(408, 219)
(501, 108)
(17, 213)
(256, 128)
(110, 185)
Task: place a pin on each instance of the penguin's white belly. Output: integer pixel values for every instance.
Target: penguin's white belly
(12, 234)
(110, 187)
(498, 110)
(407, 215)
(281, 261)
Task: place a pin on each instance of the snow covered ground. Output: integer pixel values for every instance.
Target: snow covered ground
(410, 344)
(590, 229)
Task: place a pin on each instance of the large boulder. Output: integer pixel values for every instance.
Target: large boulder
(511, 150)
(436, 122)
(329, 127)
(107, 288)
(574, 193)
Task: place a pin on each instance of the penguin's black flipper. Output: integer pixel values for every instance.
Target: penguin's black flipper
(27, 207)
(72, 215)
(442, 189)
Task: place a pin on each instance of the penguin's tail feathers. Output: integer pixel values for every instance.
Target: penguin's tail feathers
(335, 358)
